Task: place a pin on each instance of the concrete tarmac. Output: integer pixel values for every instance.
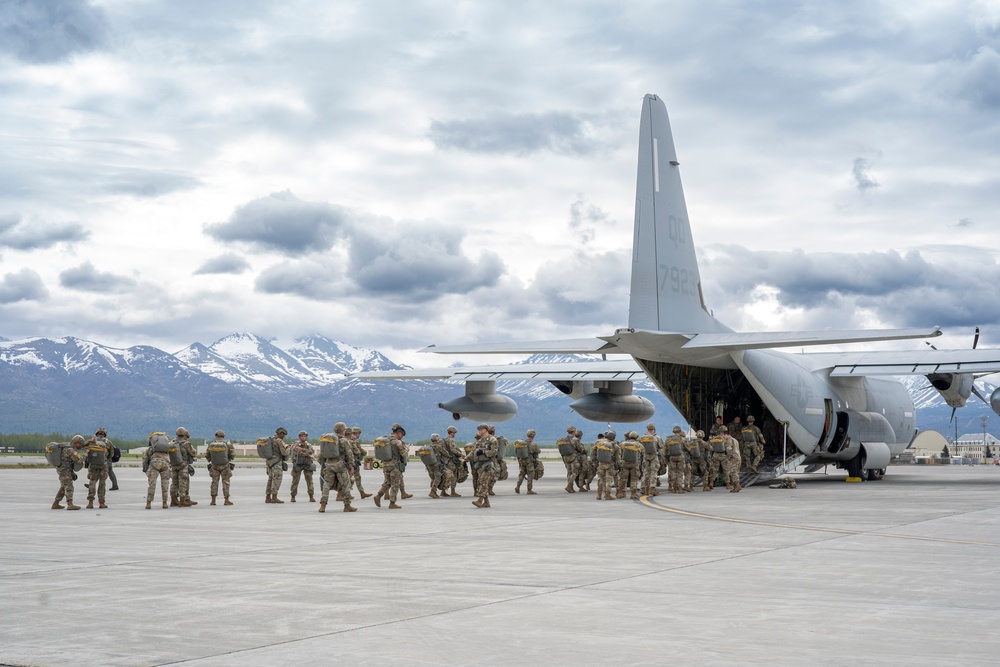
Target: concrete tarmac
(891, 572)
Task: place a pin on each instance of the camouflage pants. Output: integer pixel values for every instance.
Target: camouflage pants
(180, 482)
(356, 476)
(274, 475)
(606, 474)
(436, 474)
(392, 478)
(526, 470)
(699, 468)
(486, 478)
(158, 467)
(98, 476)
(447, 478)
(746, 452)
(675, 473)
(758, 454)
(717, 462)
(651, 465)
(337, 476)
(732, 470)
(65, 485)
(572, 470)
(454, 469)
(628, 478)
(296, 474)
(223, 472)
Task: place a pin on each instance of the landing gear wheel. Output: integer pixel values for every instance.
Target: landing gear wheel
(856, 466)
(876, 474)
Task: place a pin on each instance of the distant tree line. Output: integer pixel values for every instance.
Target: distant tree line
(35, 442)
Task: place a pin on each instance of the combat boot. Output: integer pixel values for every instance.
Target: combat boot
(312, 498)
(531, 493)
(517, 488)
(454, 493)
(433, 494)
(90, 503)
(365, 495)
(490, 492)
(102, 506)
(394, 506)
(149, 504)
(478, 502)
(165, 506)
(443, 493)
(349, 508)
(569, 488)
(620, 494)
(486, 502)
(71, 506)
(608, 496)
(404, 495)
(191, 503)
(293, 499)
(114, 488)
(275, 499)
(180, 503)
(268, 499)
(213, 501)
(228, 502)
(736, 487)
(175, 502)
(599, 494)
(635, 495)
(322, 507)
(378, 499)
(56, 505)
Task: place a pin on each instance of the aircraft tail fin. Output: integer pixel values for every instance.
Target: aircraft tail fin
(666, 286)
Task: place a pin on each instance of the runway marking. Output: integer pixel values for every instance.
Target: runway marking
(645, 500)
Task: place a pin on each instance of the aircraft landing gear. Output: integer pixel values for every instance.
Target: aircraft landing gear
(856, 466)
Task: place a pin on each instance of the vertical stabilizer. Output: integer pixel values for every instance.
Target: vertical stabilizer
(666, 286)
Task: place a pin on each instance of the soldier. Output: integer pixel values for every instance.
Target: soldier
(220, 455)
(180, 466)
(717, 446)
(500, 463)
(661, 463)
(430, 456)
(588, 469)
(484, 461)
(156, 462)
(606, 454)
(302, 465)
(732, 466)
(526, 452)
(735, 427)
(69, 462)
(753, 441)
(676, 463)
(697, 453)
(651, 444)
(455, 461)
(573, 454)
(631, 464)
(353, 434)
(717, 425)
(276, 464)
(98, 457)
(447, 479)
(391, 451)
(336, 455)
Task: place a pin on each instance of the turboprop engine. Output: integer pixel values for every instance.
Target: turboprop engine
(481, 403)
(955, 388)
(612, 401)
(995, 400)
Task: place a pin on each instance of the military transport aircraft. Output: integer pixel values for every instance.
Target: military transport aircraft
(834, 407)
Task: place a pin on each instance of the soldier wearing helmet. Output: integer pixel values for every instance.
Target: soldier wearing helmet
(336, 456)
(483, 459)
(630, 467)
(526, 452)
(354, 435)
(500, 462)
(220, 454)
(303, 465)
(753, 444)
(276, 464)
(606, 456)
(392, 469)
(455, 461)
(99, 452)
(69, 462)
(573, 454)
(181, 469)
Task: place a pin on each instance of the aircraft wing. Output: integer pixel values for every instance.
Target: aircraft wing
(915, 362)
(623, 369)
(767, 339)
(567, 346)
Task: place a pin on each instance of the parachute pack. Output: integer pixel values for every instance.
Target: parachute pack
(675, 445)
(632, 453)
(53, 453)
(97, 455)
(177, 457)
(218, 453)
(648, 444)
(605, 452)
(539, 469)
(329, 446)
(749, 435)
(383, 449)
(521, 449)
(718, 444)
(159, 441)
(265, 448)
(565, 446)
(427, 454)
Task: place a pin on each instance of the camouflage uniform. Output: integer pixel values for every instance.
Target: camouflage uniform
(606, 454)
(631, 466)
(274, 465)
(337, 469)
(676, 464)
(500, 462)
(588, 470)
(392, 470)
(484, 458)
(156, 464)
(359, 456)
(732, 469)
(302, 465)
(696, 449)
(650, 460)
(431, 455)
(180, 480)
(220, 470)
(69, 461)
(717, 446)
(98, 449)
(526, 452)
(447, 477)
(573, 454)
(753, 443)
(455, 461)
(716, 426)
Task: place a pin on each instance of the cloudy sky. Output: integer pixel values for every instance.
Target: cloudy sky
(394, 174)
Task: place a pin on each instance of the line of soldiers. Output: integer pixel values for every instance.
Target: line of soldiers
(97, 455)
(750, 438)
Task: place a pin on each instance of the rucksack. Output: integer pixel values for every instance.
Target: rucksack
(718, 444)
(53, 453)
(218, 453)
(265, 448)
(159, 441)
(566, 447)
(329, 446)
(648, 444)
(631, 453)
(384, 450)
(427, 455)
(605, 452)
(521, 449)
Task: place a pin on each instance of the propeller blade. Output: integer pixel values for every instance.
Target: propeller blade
(950, 420)
(975, 341)
(975, 390)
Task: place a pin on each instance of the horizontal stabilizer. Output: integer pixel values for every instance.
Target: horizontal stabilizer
(917, 362)
(567, 346)
(767, 339)
(623, 369)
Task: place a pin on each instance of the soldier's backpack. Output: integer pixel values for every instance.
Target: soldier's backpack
(383, 449)
(539, 469)
(97, 455)
(159, 441)
(463, 473)
(176, 455)
(427, 454)
(218, 453)
(116, 456)
(749, 435)
(521, 449)
(266, 449)
(503, 470)
(605, 452)
(329, 446)
(718, 444)
(502, 449)
(565, 446)
(675, 445)
(648, 444)
(53, 453)
(632, 453)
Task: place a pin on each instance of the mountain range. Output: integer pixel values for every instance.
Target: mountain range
(249, 385)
